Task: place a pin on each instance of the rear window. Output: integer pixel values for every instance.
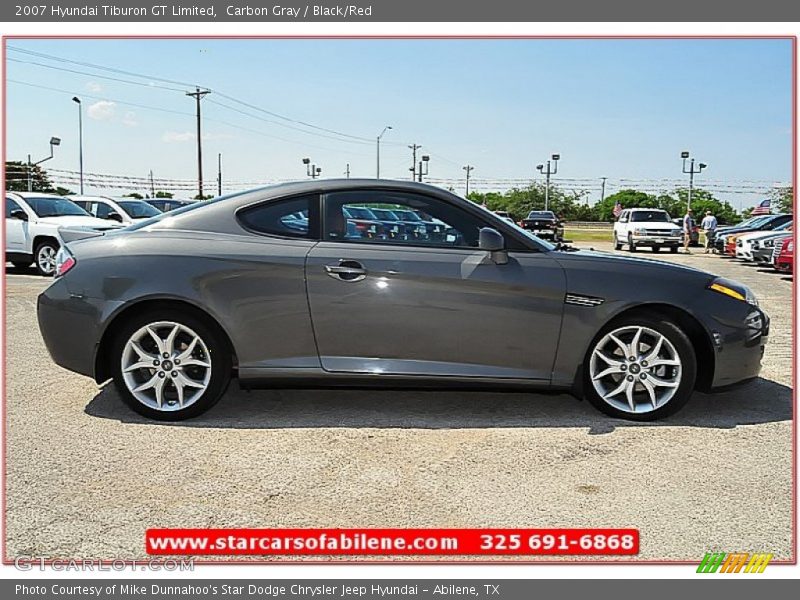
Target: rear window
(541, 214)
(284, 217)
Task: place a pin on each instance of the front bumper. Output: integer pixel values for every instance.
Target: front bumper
(739, 347)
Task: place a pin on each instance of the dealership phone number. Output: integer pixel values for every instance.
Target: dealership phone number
(567, 543)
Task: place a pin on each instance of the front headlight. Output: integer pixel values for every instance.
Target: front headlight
(640, 231)
(676, 232)
(734, 290)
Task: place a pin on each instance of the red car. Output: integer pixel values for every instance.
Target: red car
(785, 258)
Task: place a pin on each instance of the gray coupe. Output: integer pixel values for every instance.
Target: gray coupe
(241, 286)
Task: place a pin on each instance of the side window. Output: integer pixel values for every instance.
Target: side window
(102, 210)
(11, 206)
(387, 217)
(623, 218)
(289, 217)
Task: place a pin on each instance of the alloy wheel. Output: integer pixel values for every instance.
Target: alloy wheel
(166, 366)
(46, 259)
(635, 369)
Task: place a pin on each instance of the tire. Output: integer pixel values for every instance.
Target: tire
(675, 349)
(631, 245)
(673, 249)
(656, 248)
(202, 386)
(44, 257)
(617, 244)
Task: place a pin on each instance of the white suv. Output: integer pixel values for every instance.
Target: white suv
(32, 222)
(646, 227)
(122, 210)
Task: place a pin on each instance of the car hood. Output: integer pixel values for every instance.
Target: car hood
(757, 235)
(79, 221)
(653, 225)
(601, 260)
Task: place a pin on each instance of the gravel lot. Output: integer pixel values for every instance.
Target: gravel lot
(86, 476)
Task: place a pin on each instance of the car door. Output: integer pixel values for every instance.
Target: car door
(16, 229)
(433, 305)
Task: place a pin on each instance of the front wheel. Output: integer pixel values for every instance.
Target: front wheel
(656, 248)
(640, 368)
(169, 365)
(631, 245)
(45, 257)
(673, 249)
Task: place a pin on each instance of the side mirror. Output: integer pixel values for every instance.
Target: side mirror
(114, 217)
(19, 214)
(493, 241)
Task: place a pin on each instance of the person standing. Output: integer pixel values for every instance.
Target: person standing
(688, 226)
(709, 227)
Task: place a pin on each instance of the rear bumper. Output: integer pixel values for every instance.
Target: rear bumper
(71, 327)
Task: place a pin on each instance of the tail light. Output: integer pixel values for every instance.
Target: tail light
(64, 262)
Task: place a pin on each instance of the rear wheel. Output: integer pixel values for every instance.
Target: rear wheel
(617, 243)
(45, 257)
(640, 368)
(170, 366)
(631, 245)
(673, 249)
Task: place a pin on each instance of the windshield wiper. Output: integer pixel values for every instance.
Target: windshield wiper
(565, 247)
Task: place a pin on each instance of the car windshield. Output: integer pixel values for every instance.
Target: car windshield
(384, 214)
(653, 216)
(138, 209)
(55, 207)
(407, 215)
(359, 212)
(542, 214)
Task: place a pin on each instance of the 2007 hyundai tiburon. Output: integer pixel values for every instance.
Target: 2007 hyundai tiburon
(281, 286)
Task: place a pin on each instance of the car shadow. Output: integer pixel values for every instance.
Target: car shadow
(12, 270)
(759, 401)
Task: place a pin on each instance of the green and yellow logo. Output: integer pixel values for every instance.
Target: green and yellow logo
(734, 562)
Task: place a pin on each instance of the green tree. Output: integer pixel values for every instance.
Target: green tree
(17, 178)
(604, 211)
(134, 195)
(783, 199)
(702, 201)
(164, 195)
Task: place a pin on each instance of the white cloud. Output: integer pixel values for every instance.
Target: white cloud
(93, 86)
(129, 120)
(102, 110)
(190, 136)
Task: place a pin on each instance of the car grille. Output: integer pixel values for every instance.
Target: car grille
(776, 251)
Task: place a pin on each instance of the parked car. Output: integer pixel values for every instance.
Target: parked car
(763, 249)
(367, 224)
(759, 223)
(745, 242)
(226, 283)
(651, 227)
(121, 210)
(544, 224)
(504, 214)
(784, 259)
(694, 237)
(32, 223)
(168, 204)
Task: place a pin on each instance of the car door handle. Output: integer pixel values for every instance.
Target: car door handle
(347, 270)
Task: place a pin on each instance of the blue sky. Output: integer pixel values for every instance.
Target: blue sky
(623, 109)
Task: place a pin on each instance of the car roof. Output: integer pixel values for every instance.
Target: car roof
(36, 195)
(79, 197)
(642, 208)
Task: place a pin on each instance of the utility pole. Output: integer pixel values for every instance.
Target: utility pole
(347, 171)
(152, 185)
(219, 174)
(691, 172)
(413, 169)
(550, 171)
(198, 95)
(468, 169)
(77, 101)
(603, 189)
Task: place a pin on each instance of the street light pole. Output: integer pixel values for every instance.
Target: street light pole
(77, 101)
(54, 141)
(468, 169)
(312, 170)
(603, 189)
(552, 169)
(378, 152)
(425, 161)
(691, 172)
